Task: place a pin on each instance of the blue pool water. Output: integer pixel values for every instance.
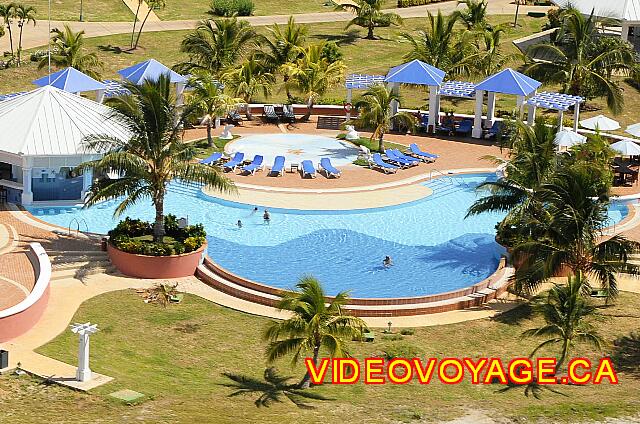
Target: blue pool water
(434, 249)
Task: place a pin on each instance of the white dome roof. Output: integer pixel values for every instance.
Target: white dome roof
(50, 122)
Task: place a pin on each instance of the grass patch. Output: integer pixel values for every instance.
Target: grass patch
(373, 144)
(147, 350)
(203, 149)
(93, 10)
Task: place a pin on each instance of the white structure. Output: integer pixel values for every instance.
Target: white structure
(83, 331)
(567, 138)
(226, 132)
(352, 134)
(626, 148)
(601, 123)
(627, 11)
(42, 140)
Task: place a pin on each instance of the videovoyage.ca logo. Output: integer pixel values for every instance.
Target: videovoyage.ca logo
(455, 370)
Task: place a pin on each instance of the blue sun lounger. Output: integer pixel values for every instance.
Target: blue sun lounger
(308, 169)
(214, 158)
(403, 163)
(255, 165)
(382, 165)
(329, 169)
(401, 155)
(465, 127)
(426, 156)
(278, 166)
(237, 159)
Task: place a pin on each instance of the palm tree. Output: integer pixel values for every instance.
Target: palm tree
(566, 313)
(249, 80)
(8, 13)
(273, 388)
(375, 111)
(69, 53)
(583, 61)
(135, 21)
(312, 75)
(490, 59)
(474, 16)
(317, 323)
(152, 4)
(24, 14)
(369, 15)
(440, 45)
(215, 45)
(570, 237)
(152, 157)
(283, 46)
(208, 99)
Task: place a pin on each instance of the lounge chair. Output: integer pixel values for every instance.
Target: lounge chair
(278, 167)
(234, 117)
(287, 113)
(495, 129)
(401, 162)
(237, 160)
(269, 112)
(425, 156)
(401, 155)
(382, 165)
(213, 159)
(308, 169)
(364, 153)
(255, 165)
(465, 127)
(329, 169)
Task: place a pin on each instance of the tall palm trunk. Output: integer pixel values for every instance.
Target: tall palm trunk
(10, 38)
(306, 380)
(381, 142)
(310, 104)
(135, 46)
(209, 137)
(135, 20)
(158, 226)
(370, 35)
(20, 45)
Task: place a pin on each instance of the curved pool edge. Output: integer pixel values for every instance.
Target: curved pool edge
(476, 295)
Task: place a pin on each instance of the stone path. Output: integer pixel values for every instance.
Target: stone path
(38, 36)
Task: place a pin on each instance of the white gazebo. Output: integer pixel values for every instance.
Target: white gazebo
(43, 135)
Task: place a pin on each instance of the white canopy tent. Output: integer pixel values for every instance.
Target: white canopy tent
(44, 131)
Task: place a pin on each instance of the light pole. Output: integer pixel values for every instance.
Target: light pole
(81, 10)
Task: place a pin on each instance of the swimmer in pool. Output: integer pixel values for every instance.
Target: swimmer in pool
(239, 224)
(266, 217)
(387, 262)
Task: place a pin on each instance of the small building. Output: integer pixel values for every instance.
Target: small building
(42, 141)
(626, 11)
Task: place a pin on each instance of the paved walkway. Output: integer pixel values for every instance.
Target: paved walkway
(38, 36)
(144, 9)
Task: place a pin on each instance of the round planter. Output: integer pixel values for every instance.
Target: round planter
(156, 267)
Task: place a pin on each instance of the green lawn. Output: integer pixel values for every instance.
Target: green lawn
(360, 56)
(94, 10)
(175, 356)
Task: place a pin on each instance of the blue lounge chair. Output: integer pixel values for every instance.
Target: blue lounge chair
(237, 160)
(426, 156)
(403, 163)
(329, 169)
(278, 167)
(214, 158)
(382, 165)
(495, 129)
(423, 125)
(308, 169)
(465, 127)
(255, 165)
(401, 155)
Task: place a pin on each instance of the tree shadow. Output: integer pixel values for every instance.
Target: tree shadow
(273, 388)
(515, 316)
(626, 354)
(349, 37)
(114, 49)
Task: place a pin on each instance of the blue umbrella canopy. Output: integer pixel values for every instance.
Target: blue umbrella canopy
(416, 72)
(70, 80)
(149, 70)
(509, 81)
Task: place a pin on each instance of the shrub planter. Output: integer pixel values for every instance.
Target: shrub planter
(156, 267)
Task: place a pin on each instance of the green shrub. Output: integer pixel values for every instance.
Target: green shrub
(192, 231)
(410, 3)
(407, 331)
(400, 350)
(230, 8)
(132, 228)
(331, 52)
(170, 224)
(193, 243)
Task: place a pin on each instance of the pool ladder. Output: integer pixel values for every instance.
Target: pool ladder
(78, 222)
(447, 177)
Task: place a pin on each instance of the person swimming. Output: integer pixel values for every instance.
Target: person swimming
(239, 224)
(254, 210)
(266, 217)
(387, 262)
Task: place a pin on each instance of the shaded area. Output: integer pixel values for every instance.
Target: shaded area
(626, 354)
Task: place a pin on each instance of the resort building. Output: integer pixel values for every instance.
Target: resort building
(48, 128)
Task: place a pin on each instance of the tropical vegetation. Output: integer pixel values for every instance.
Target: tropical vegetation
(152, 157)
(316, 323)
(369, 15)
(69, 51)
(24, 14)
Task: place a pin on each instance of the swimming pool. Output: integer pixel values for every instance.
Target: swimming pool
(434, 249)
